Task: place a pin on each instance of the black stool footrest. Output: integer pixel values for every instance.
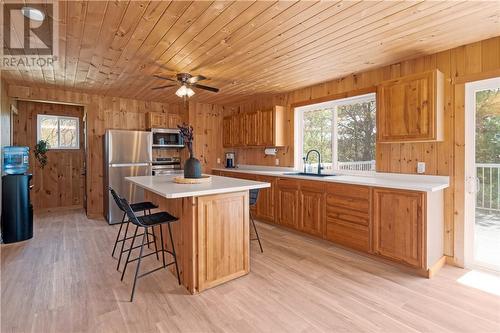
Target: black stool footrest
(130, 237)
(156, 218)
(140, 206)
(154, 270)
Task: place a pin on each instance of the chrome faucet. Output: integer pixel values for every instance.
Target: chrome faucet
(319, 160)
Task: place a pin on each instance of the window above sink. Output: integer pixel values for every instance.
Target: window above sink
(343, 130)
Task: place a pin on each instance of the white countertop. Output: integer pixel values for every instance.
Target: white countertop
(426, 183)
(165, 186)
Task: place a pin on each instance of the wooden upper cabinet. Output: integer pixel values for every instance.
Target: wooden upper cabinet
(227, 137)
(156, 120)
(287, 202)
(312, 207)
(255, 128)
(162, 120)
(398, 225)
(411, 108)
(251, 128)
(271, 130)
(238, 129)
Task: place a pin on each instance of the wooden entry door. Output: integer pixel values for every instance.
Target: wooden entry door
(62, 182)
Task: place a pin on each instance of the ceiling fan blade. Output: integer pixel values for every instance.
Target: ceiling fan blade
(163, 87)
(164, 78)
(196, 78)
(205, 87)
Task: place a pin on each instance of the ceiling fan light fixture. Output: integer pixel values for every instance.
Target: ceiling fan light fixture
(33, 13)
(184, 91)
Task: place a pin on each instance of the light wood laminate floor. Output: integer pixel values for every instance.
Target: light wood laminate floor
(64, 280)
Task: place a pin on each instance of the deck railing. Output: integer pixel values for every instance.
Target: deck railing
(357, 166)
(488, 194)
(349, 166)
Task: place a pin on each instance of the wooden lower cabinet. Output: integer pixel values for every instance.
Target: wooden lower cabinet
(287, 203)
(348, 216)
(312, 207)
(386, 222)
(398, 225)
(265, 203)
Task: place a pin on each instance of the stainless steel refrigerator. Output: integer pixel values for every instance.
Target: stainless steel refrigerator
(126, 153)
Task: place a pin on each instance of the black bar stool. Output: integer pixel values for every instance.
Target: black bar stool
(136, 207)
(254, 195)
(149, 221)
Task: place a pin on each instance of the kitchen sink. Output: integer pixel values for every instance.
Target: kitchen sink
(309, 174)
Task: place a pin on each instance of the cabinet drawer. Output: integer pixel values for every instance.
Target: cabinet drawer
(348, 234)
(285, 182)
(246, 176)
(311, 185)
(351, 191)
(362, 205)
(347, 215)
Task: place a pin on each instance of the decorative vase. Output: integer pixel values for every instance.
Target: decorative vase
(192, 168)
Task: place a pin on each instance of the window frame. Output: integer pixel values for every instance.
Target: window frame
(38, 130)
(299, 127)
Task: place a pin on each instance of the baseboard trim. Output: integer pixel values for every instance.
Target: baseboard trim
(432, 271)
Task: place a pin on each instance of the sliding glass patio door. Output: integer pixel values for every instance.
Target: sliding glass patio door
(482, 170)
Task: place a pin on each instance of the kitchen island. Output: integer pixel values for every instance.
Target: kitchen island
(212, 235)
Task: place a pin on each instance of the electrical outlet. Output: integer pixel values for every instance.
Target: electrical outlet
(421, 167)
(218, 160)
(277, 162)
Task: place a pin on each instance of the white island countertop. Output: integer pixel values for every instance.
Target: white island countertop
(425, 183)
(166, 187)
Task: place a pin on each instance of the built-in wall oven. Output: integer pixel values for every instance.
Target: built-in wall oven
(167, 138)
(166, 166)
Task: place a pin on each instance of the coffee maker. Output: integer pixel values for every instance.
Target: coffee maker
(230, 160)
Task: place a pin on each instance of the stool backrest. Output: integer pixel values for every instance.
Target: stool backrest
(130, 213)
(117, 199)
(254, 195)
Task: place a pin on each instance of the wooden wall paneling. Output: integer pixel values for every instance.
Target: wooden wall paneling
(206, 120)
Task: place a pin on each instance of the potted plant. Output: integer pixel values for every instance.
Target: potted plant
(192, 166)
(41, 149)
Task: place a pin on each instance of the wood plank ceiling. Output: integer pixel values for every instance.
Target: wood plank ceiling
(247, 47)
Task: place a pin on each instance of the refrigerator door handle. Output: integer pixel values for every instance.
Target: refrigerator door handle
(114, 165)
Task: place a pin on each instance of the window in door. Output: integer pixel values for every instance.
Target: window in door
(342, 130)
(60, 132)
(483, 174)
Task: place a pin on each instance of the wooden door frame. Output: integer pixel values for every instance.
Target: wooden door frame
(85, 140)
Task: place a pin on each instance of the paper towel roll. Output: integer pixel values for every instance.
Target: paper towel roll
(270, 151)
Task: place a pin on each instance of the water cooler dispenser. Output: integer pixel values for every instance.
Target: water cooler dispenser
(17, 211)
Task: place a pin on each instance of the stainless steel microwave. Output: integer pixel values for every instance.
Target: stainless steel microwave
(167, 138)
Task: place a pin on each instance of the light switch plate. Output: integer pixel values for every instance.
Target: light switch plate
(421, 167)
(277, 161)
(218, 160)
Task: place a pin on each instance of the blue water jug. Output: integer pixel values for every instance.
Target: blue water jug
(15, 160)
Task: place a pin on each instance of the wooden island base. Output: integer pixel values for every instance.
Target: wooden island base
(211, 237)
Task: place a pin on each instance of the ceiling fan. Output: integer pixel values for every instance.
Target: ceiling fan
(186, 82)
